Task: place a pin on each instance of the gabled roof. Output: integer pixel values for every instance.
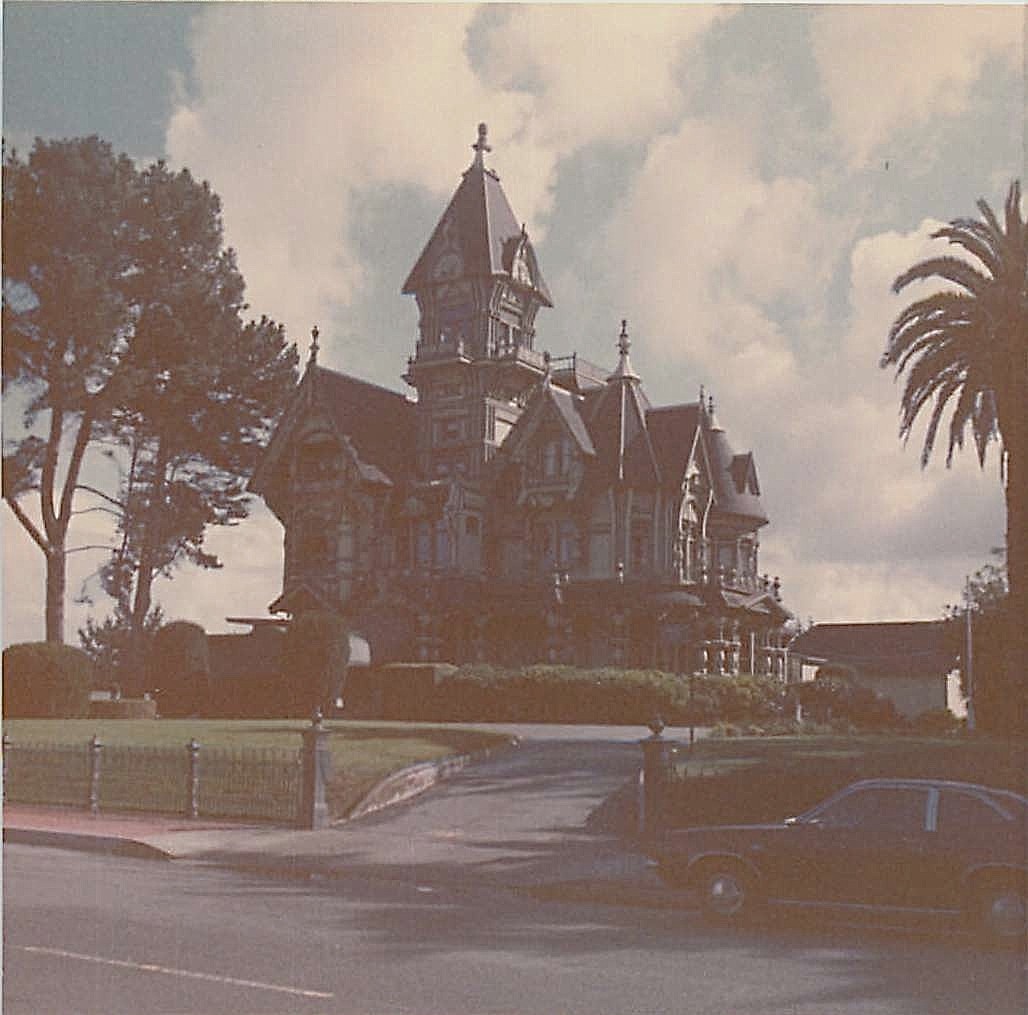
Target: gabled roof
(912, 648)
(376, 424)
(480, 222)
(379, 423)
(566, 406)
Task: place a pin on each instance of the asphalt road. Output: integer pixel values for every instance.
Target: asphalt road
(85, 933)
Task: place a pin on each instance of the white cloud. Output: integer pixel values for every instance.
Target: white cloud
(296, 108)
(597, 72)
(888, 68)
(707, 250)
(863, 532)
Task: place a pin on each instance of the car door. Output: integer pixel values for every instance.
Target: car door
(970, 830)
(867, 846)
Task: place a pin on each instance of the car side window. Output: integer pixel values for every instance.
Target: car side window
(899, 809)
(959, 812)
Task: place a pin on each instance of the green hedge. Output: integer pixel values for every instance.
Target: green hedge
(483, 693)
(45, 680)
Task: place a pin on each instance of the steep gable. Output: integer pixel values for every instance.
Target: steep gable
(374, 425)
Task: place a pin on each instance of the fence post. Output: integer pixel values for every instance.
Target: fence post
(658, 763)
(194, 778)
(7, 750)
(316, 761)
(95, 749)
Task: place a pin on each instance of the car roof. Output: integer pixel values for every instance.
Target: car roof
(939, 784)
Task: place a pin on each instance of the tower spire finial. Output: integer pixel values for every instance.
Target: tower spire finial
(313, 359)
(624, 367)
(481, 146)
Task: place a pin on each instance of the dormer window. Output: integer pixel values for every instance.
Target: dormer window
(554, 460)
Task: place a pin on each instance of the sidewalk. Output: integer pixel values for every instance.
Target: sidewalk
(554, 821)
(581, 867)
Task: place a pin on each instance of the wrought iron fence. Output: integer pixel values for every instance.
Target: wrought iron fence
(248, 783)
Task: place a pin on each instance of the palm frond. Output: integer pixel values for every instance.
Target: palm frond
(944, 393)
(952, 269)
(961, 350)
(980, 241)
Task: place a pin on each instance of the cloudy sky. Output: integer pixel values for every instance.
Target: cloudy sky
(741, 183)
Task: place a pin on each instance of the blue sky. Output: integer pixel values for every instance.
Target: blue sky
(741, 183)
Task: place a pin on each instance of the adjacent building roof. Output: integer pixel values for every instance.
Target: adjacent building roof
(910, 648)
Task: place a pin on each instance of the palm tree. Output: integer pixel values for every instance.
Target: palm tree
(968, 345)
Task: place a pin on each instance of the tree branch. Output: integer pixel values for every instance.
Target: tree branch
(30, 526)
(89, 511)
(85, 432)
(89, 546)
(101, 494)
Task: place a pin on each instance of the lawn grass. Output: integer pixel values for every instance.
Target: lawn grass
(362, 753)
(754, 779)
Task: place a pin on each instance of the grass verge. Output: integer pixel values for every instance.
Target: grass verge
(756, 779)
(363, 753)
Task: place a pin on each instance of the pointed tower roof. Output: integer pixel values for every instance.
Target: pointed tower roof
(480, 234)
(617, 423)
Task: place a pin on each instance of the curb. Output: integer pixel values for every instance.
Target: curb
(416, 779)
(109, 845)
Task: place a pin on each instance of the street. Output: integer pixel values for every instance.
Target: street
(86, 933)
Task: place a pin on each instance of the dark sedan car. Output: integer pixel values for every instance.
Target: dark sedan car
(890, 844)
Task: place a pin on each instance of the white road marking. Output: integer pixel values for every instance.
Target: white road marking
(151, 967)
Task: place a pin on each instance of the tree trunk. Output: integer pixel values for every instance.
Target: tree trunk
(143, 599)
(56, 578)
(1017, 578)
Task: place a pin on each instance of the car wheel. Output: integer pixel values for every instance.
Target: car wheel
(728, 894)
(1002, 913)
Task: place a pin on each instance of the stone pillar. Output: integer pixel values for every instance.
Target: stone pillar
(95, 751)
(657, 771)
(193, 783)
(316, 769)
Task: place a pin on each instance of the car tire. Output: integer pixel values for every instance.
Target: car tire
(1001, 913)
(728, 893)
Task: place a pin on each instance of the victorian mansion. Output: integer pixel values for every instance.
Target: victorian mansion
(522, 507)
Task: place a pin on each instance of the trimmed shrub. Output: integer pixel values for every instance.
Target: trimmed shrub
(833, 697)
(179, 669)
(123, 708)
(549, 693)
(314, 661)
(45, 680)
